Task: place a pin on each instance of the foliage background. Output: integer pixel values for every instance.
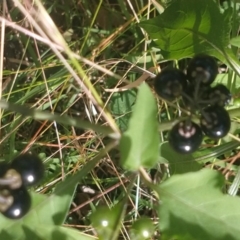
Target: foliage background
(71, 91)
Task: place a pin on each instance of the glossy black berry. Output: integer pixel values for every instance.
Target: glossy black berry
(170, 83)
(220, 95)
(215, 122)
(203, 69)
(185, 137)
(18, 202)
(30, 168)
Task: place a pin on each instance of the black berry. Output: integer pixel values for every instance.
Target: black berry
(18, 202)
(202, 69)
(220, 95)
(185, 137)
(170, 83)
(30, 168)
(215, 122)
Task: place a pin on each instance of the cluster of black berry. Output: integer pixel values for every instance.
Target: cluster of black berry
(199, 98)
(24, 171)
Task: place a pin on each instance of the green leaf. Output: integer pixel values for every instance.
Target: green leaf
(47, 232)
(55, 206)
(188, 27)
(194, 207)
(51, 210)
(45, 212)
(140, 143)
(59, 233)
(121, 107)
(235, 41)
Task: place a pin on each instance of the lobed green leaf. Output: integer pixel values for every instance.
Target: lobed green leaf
(193, 206)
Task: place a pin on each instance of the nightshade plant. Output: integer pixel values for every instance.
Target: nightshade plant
(199, 97)
(164, 193)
